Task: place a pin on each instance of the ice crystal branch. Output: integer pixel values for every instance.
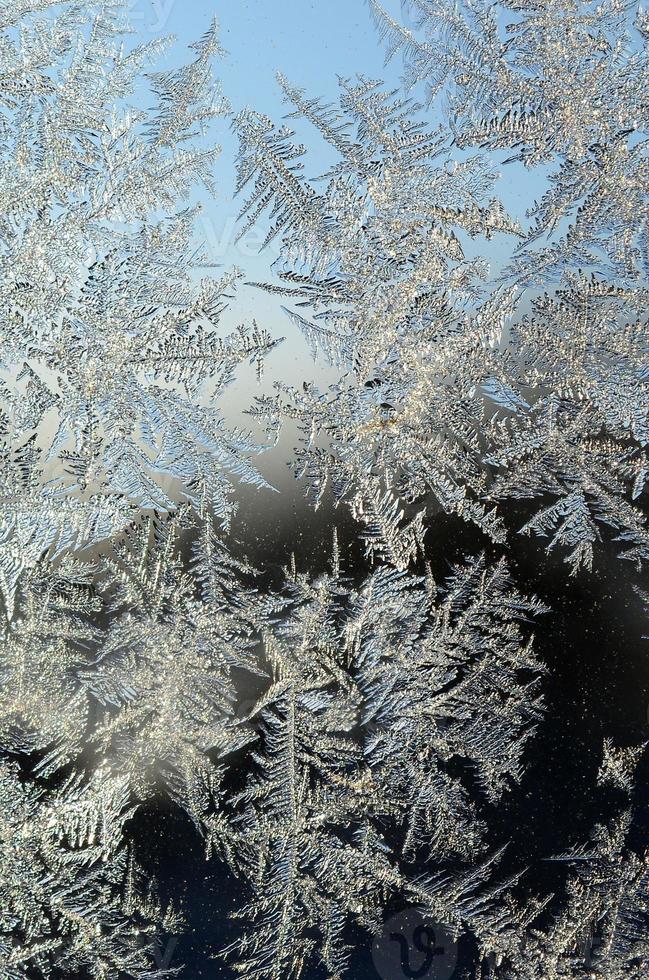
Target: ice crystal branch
(113, 357)
(449, 389)
(67, 899)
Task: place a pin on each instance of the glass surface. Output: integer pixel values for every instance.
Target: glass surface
(323, 542)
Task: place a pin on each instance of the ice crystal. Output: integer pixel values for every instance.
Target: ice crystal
(68, 899)
(43, 706)
(163, 672)
(444, 681)
(448, 389)
(114, 362)
(604, 929)
(378, 257)
(376, 693)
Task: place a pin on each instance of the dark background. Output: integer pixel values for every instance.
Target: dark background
(597, 686)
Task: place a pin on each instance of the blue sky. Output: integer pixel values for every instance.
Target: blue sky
(311, 43)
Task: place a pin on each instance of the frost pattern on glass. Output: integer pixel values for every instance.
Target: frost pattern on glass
(491, 369)
(113, 365)
(457, 386)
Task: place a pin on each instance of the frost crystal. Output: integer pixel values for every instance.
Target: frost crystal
(113, 362)
(451, 389)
